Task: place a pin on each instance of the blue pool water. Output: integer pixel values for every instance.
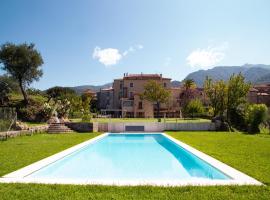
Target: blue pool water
(130, 157)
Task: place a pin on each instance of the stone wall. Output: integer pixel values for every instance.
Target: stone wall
(80, 126)
(30, 131)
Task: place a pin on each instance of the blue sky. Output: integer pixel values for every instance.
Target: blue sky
(95, 41)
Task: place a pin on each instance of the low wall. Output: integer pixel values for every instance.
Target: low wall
(80, 126)
(154, 127)
(30, 131)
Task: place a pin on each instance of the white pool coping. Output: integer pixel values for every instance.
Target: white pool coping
(237, 177)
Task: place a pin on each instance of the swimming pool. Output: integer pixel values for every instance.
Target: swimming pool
(127, 159)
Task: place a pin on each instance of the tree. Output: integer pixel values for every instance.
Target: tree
(86, 104)
(188, 93)
(59, 93)
(11, 82)
(23, 63)
(237, 94)
(194, 107)
(189, 84)
(156, 93)
(217, 93)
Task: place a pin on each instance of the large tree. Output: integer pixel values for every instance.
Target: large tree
(217, 92)
(23, 63)
(156, 93)
(237, 94)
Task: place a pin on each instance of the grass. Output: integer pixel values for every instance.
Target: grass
(18, 152)
(168, 120)
(248, 153)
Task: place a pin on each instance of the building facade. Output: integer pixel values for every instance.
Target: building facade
(124, 100)
(260, 94)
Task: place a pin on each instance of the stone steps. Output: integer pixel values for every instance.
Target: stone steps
(58, 128)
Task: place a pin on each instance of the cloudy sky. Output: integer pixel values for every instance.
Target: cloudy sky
(95, 41)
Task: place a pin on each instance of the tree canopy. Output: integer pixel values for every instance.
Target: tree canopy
(23, 63)
(217, 93)
(188, 91)
(194, 108)
(59, 92)
(156, 93)
(227, 96)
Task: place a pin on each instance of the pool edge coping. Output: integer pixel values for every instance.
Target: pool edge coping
(238, 178)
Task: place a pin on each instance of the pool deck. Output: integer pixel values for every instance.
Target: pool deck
(237, 177)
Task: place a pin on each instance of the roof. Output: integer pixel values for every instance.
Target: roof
(253, 90)
(89, 91)
(263, 94)
(107, 89)
(262, 85)
(144, 76)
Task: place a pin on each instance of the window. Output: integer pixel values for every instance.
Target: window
(131, 85)
(164, 84)
(140, 106)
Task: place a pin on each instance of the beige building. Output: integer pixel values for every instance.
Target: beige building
(126, 101)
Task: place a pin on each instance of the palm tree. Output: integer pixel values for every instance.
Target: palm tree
(189, 85)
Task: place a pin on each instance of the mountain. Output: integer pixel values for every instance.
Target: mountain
(80, 89)
(176, 83)
(253, 73)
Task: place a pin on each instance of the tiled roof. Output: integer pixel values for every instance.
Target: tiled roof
(107, 89)
(144, 76)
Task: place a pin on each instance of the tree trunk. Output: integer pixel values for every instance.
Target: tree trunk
(25, 97)
(158, 109)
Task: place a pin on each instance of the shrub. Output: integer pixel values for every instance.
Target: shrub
(33, 112)
(194, 108)
(256, 115)
(86, 117)
(264, 128)
(238, 117)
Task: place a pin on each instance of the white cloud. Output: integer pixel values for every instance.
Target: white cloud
(107, 56)
(207, 58)
(111, 56)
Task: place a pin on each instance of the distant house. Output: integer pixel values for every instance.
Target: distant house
(90, 93)
(260, 94)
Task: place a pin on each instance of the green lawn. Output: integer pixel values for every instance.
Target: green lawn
(248, 153)
(21, 151)
(169, 120)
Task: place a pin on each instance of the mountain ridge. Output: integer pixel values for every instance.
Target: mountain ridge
(254, 73)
